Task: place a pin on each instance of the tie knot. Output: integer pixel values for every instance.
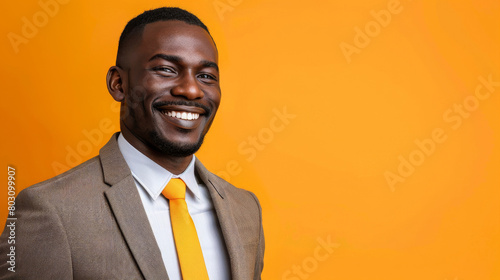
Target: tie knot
(175, 189)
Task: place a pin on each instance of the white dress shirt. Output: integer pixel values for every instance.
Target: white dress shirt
(150, 179)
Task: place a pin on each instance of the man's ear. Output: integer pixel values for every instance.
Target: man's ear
(114, 81)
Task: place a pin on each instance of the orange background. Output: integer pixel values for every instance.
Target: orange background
(322, 174)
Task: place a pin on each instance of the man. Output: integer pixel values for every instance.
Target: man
(112, 217)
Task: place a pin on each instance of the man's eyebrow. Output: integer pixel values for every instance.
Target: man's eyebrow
(177, 59)
(207, 63)
(167, 57)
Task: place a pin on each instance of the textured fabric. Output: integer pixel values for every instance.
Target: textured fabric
(88, 223)
(186, 239)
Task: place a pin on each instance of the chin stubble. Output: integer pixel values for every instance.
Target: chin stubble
(175, 149)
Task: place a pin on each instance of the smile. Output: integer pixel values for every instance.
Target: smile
(182, 115)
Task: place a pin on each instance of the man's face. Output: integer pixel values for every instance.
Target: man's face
(171, 87)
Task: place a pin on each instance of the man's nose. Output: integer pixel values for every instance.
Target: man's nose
(188, 87)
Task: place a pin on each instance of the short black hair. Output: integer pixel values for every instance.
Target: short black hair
(160, 14)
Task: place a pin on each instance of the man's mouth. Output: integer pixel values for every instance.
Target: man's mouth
(182, 115)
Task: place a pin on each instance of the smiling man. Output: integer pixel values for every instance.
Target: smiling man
(145, 208)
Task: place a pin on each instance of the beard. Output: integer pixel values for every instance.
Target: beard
(175, 149)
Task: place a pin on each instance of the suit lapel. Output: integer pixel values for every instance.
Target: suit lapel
(126, 205)
(226, 220)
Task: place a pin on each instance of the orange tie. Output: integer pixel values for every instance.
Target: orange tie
(186, 239)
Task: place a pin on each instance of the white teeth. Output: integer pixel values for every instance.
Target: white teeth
(183, 115)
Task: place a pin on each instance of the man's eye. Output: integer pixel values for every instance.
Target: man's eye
(207, 76)
(164, 69)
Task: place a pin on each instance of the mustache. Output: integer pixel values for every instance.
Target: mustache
(184, 103)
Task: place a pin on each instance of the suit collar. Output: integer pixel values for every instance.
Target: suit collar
(206, 177)
(114, 167)
(127, 208)
(223, 207)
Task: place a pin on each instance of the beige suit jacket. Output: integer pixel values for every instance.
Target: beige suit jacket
(89, 223)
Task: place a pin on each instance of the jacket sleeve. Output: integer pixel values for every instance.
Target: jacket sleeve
(259, 260)
(36, 241)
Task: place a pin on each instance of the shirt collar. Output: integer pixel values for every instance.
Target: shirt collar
(151, 176)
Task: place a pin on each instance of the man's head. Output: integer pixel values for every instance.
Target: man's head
(167, 80)
(135, 26)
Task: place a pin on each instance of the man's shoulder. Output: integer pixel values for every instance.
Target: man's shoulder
(232, 190)
(221, 185)
(243, 206)
(241, 199)
(86, 173)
